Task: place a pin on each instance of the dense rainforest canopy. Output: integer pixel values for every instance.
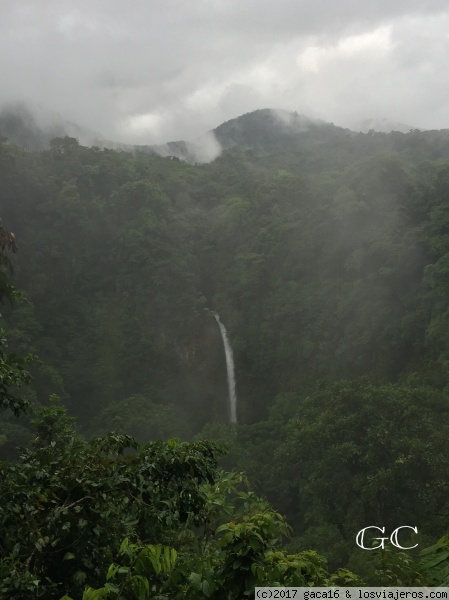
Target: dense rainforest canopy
(326, 254)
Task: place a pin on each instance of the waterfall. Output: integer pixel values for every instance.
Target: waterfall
(229, 370)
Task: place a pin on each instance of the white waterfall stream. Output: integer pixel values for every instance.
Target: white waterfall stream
(229, 370)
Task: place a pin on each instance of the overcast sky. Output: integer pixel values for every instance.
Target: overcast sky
(149, 71)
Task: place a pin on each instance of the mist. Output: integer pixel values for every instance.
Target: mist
(150, 74)
(287, 165)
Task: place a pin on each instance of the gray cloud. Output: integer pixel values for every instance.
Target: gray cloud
(149, 71)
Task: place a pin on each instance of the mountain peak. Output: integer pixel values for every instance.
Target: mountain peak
(271, 130)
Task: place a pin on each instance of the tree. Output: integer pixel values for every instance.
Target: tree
(225, 563)
(67, 504)
(13, 373)
(7, 245)
(359, 453)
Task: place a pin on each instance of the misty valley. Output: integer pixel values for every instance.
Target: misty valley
(221, 360)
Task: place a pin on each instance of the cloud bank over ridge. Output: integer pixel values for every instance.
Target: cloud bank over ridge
(147, 72)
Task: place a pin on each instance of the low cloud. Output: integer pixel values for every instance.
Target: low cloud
(149, 72)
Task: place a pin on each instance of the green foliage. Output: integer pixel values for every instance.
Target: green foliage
(251, 558)
(142, 418)
(326, 255)
(68, 503)
(434, 562)
(7, 245)
(241, 555)
(397, 569)
(315, 271)
(358, 453)
(129, 579)
(13, 374)
(315, 261)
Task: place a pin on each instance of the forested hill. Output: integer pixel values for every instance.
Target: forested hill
(263, 132)
(322, 262)
(326, 255)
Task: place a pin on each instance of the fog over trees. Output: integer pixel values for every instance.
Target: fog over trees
(325, 253)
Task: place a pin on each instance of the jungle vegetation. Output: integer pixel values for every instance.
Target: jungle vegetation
(326, 254)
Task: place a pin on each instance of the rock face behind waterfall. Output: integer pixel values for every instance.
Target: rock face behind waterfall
(229, 370)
